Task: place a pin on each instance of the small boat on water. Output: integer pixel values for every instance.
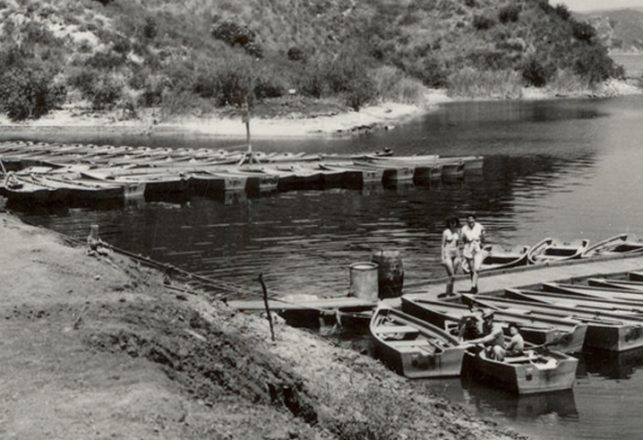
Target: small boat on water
(593, 304)
(354, 175)
(616, 284)
(605, 330)
(495, 257)
(551, 250)
(622, 244)
(529, 374)
(559, 334)
(414, 348)
(78, 189)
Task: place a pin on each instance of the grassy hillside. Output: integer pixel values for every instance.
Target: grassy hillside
(621, 29)
(194, 55)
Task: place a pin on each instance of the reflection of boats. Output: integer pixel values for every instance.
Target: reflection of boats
(618, 245)
(612, 365)
(495, 257)
(530, 406)
(559, 334)
(414, 348)
(529, 374)
(606, 331)
(551, 249)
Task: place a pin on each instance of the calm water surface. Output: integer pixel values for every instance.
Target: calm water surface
(565, 168)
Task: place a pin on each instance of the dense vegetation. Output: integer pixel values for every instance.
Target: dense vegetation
(620, 29)
(194, 55)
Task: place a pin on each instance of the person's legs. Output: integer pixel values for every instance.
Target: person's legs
(498, 353)
(476, 263)
(448, 265)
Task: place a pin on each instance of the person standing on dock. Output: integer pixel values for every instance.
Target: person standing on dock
(473, 236)
(451, 251)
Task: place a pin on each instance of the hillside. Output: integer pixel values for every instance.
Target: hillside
(620, 29)
(197, 55)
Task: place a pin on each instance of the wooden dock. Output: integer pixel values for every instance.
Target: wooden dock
(41, 173)
(528, 276)
(303, 305)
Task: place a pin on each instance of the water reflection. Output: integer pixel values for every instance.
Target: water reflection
(609, 365)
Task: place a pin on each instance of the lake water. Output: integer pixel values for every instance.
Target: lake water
(552, 168)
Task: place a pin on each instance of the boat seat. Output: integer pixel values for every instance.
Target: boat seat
(411, 343)
(392, 329)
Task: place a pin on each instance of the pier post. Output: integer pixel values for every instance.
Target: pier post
(390, 273)
(267, 305)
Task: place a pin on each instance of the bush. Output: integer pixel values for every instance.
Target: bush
(105, 92)
(583, 31)
(393, 85)
(562, 11)
(296, 54)
(594, 64)
(30, 92)
(473, 83)
(360, 90)
(509, 13)
(106, 60)
(534, 73)
(150, 30)
(237, 35)
(483, 22)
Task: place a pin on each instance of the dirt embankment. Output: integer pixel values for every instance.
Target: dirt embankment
(98, 348)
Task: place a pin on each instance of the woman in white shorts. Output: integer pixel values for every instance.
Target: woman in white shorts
(473, 236)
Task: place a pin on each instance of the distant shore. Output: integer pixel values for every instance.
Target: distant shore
(385, 115)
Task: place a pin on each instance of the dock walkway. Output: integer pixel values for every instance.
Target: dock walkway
(496, 282)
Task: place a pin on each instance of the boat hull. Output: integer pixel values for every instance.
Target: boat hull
(525, 378)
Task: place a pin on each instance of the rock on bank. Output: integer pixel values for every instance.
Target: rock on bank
(97, 348)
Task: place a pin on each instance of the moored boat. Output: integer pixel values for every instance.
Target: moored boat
(558, 334)
(495, 257)
(595, 304)
(392, 172)
(577, 289)
(622, 244)
(413, 348)
(635, 276)
(605, 330)
(615, 284)
(529, 374)
(551, 250)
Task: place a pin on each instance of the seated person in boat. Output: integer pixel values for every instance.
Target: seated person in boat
(516, 345)
(491, 336)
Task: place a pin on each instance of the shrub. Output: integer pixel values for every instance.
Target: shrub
(105, 92)
(237, 35)
(534, 73)
(483, 22)
(150, 30)
(509, 13)
(296, 54)
(268, 86)
(583, 31)
(393, 85)
(30, 92)
(562, 11)
(473, 83)
(360, 90)
(594, 64)
(106, 60)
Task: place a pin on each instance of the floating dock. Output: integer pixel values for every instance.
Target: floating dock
(43, 173)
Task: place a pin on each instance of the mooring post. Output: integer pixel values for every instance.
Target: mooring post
(265, 302)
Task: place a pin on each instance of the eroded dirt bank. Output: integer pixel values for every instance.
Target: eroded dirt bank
(98, 348)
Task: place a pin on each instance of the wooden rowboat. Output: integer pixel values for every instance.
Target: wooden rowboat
(623, 244)
(593, 304)
(605, 330)
(551, 250)
(563, 335)
(596, 292)
(603, 283)
(529, 374)
(635, 276)
(495, 257)
(392, 172)
(413, 348)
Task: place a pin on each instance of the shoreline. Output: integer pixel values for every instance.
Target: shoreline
(382, 116)
(99, 347)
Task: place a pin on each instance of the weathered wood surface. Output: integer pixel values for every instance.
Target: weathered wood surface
(303, 304)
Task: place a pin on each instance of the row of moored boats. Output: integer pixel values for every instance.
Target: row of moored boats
(557, 320)
(551, 250)
(49, 173)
